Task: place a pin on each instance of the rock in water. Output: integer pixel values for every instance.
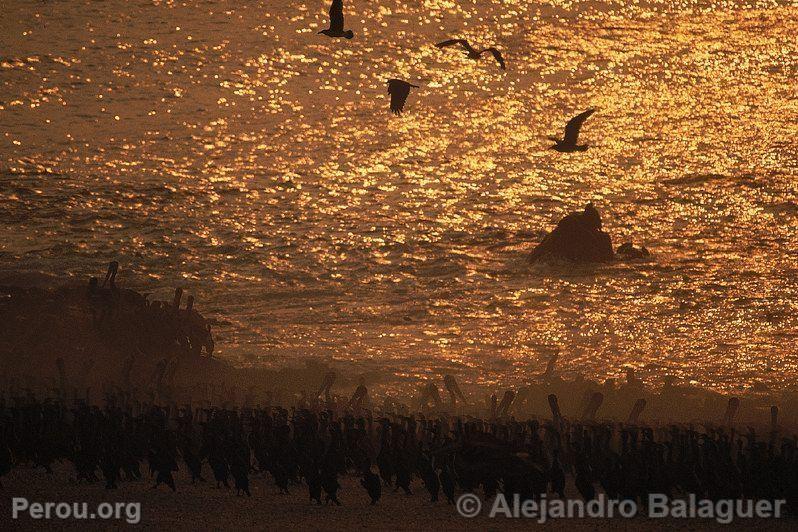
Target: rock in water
(628, 251)
(578, 237)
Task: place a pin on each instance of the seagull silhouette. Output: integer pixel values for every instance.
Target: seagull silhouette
(399, 90)
(336, 28)
(568, 143)
(473, 53)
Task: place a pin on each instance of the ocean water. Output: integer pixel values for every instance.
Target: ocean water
(227, 148)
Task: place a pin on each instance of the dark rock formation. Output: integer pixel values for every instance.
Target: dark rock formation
(79, 341)
(628, 251)
(578, 237)
(94, 331)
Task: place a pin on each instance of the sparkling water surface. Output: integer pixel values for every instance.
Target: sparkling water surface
(228, 148)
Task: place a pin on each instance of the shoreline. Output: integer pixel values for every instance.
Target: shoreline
(56, 345)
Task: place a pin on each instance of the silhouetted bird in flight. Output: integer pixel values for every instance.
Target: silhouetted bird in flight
(472, 53)
(336, 28)
(568, 142)
(399, 90)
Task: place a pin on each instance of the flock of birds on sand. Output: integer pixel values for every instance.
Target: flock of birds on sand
(400, 89)
(310, 447)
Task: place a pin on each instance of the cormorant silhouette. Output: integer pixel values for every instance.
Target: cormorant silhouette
(568, 143)
(385, 456)
(403, 477)
(454, 390)
(431, 481)
(430, 394)
(551, 366)
(239, 468)
(637, 409)
(447, 483)
(110, 275)
(557, 475)
(399, 90)
(593, 404)
(281, 476)
(163, 463)
(313, 480)
(504, 407)
(193, 464)
(472, 52)
(329, 380)
(330, 485)
(336, 28)
(371, 482)
(219, 466)
(583, 481)
(731, 410)
(177, 299)
(360, 397)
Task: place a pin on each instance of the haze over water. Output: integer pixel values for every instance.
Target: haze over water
(227, 148)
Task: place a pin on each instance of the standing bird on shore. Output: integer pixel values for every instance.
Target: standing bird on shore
(557, 476)
(373, 486)
(568, 143)
(110, 276)
(404, 476)
(474, 53)
(399, 91)
(313, 480)
(330, 485)
(447, 483)
(336, 28)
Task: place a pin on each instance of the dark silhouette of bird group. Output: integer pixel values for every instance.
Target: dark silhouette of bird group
(162, 326)
(399, 90)
(311, 446)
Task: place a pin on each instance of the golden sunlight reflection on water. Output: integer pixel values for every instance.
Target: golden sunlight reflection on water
(230, 149)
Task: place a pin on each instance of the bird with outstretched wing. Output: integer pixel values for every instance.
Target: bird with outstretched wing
(574, 125)
(462, 42)
(473, 53)
(569, 141)
(336, 28)
(497, 56)
(399, 90)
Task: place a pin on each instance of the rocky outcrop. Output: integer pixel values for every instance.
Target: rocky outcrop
(629, 251)
(578, 237)
(116, 335)
(86, 341)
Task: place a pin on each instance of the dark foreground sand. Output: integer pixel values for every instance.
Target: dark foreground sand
(204, 507)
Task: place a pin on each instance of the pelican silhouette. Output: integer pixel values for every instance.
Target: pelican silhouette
(568, 143)
(399, 90)
(473, 53)
(336, 28)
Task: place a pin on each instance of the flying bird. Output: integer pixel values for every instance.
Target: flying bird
(399, 90)
(568, 143)
(473, 53)
(336, 28)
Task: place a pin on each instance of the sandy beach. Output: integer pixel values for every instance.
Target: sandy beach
(205, 507)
